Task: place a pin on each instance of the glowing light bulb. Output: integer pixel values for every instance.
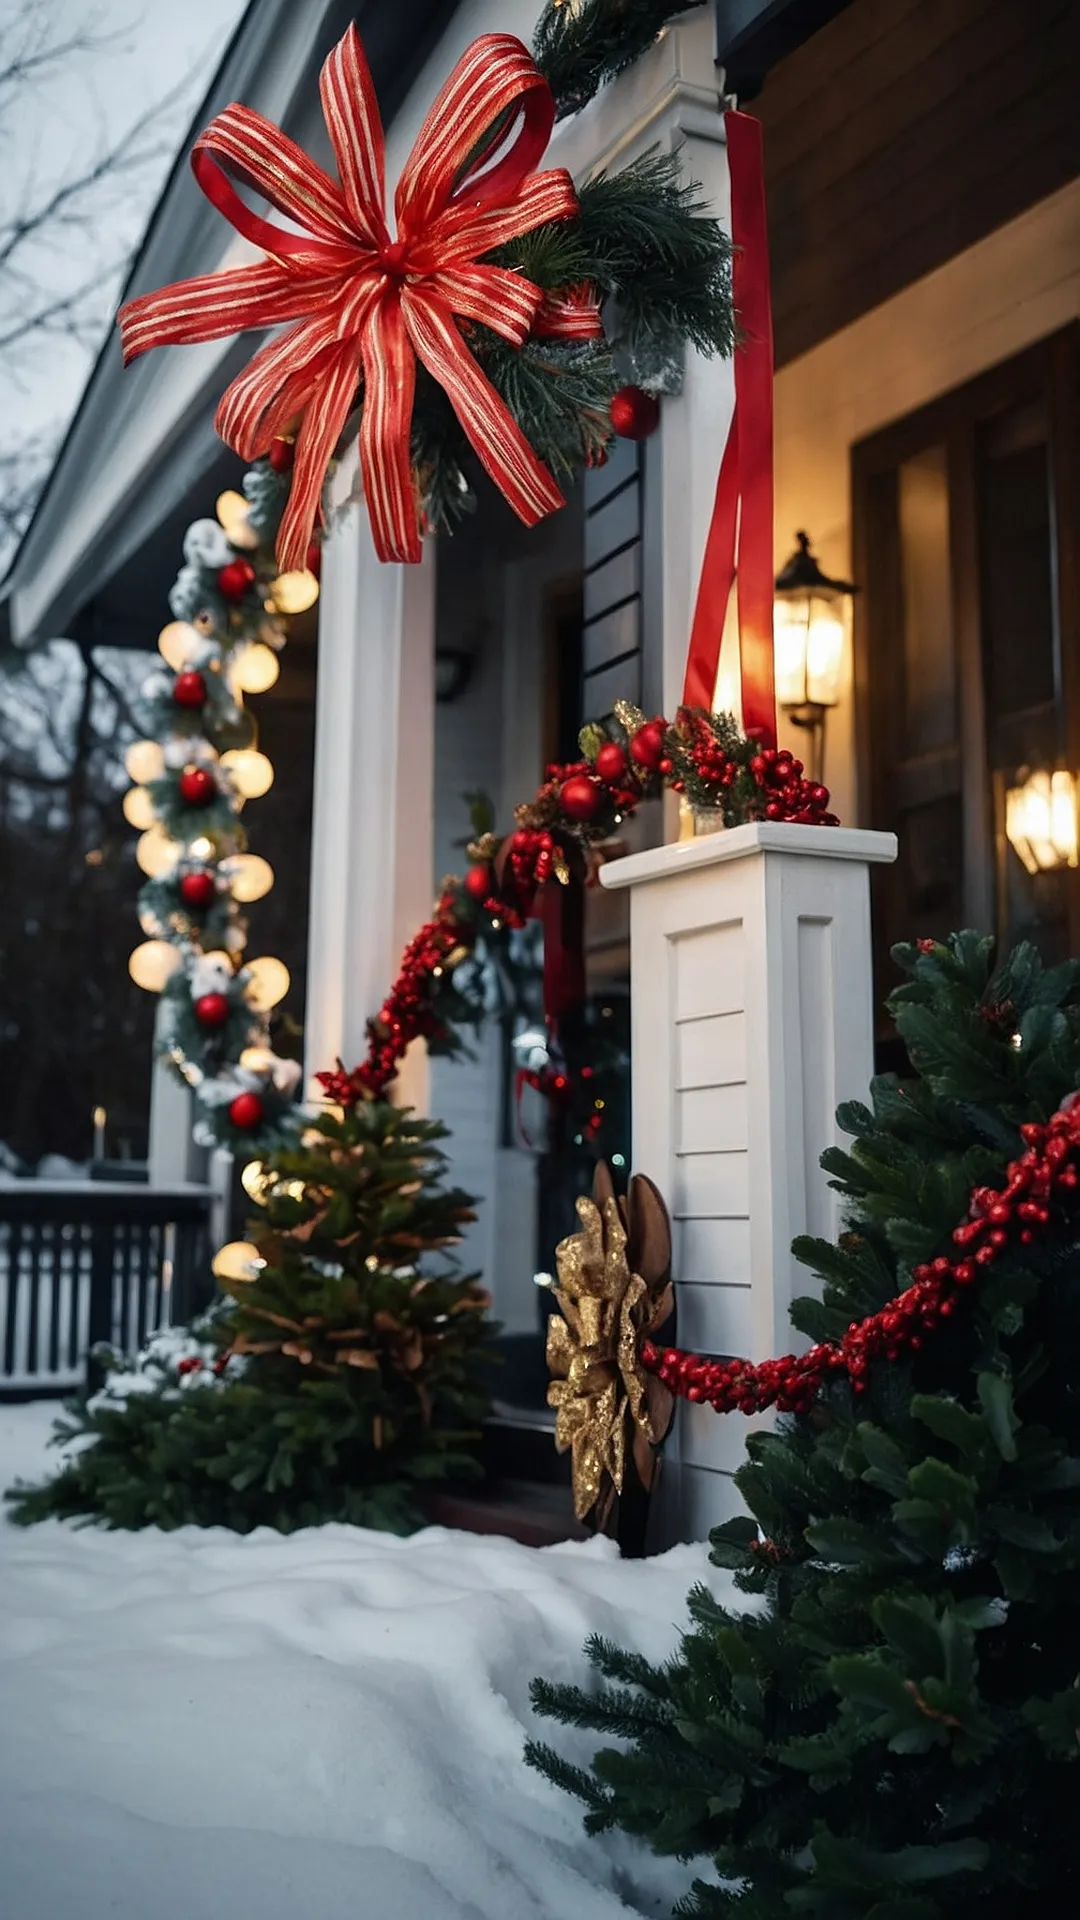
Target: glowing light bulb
(155, 853)
(202, 848)
(144, 761)
(238, 1260)
(257, 1060)
(178, 643)
(138, 808)
(232, 511)
(254, 668)
(293, 592)
(151, 964)
(267, 982)
(249, 770)
(249, 876)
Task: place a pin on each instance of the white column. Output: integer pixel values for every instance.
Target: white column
(752, 1020)
(173, 1156)
(371, 844)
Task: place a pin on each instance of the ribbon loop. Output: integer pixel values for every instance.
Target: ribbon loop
(365, 302)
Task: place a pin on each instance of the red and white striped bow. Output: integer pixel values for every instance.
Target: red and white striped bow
(365, 302)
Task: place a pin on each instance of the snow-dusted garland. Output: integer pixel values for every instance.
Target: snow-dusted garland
(192, 774)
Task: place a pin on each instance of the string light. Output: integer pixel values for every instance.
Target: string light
(237, 1260)
(144, 761)
(138, 808)
(152, 964)
(254, 668)
(179, 643)
(155, 852)
(293, 592)
(267, 982)
(249, 876)
(233, 512)
(250, 771)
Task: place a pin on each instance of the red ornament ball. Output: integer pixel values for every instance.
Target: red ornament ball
(579, 797)
(313, 561)
(197, 786)
(246, 1111)
(189, 690)
(282, 455)
(647, 745)
(236, 579)
(212, 1009)
(634, 414)
(198, 890)
(610, 762)
(478, 882)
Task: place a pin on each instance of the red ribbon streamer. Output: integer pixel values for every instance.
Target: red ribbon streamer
(739, 547)
(561, 912)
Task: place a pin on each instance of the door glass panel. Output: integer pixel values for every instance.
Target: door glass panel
(929, 651)
(1015, 563)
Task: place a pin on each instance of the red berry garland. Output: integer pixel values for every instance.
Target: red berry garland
(998, 1218)
(577, 803)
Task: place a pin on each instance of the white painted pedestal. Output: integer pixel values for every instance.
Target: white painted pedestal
(752, 1020)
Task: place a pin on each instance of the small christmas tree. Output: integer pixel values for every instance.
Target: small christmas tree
(891, 1729)
(339, 1374)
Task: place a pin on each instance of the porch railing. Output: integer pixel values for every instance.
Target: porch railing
(81, 1264)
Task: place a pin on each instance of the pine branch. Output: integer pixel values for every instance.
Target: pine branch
(578, 47)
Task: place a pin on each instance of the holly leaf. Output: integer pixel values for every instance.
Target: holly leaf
(996, 1400)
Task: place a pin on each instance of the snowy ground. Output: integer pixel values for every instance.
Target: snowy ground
(327, 1727)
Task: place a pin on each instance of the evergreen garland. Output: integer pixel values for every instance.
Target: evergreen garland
(579, 45)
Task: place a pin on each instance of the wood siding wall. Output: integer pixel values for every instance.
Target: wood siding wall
(902, 133)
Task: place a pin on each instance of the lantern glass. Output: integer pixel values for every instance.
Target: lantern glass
(1041, 820)
(808, 631)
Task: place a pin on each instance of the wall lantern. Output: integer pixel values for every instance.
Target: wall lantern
(808, 630)
(1041, 820)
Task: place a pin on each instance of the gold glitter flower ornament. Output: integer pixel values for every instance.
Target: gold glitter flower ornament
(614, 1291)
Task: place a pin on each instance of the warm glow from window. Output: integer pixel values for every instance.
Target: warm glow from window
(1041, 821)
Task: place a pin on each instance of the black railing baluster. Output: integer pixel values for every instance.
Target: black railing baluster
(86, 1264)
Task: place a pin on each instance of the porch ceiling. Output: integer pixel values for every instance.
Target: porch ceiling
(104, 541)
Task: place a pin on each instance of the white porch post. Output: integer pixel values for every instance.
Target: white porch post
(752, 1020)
(371, 842)
(173, 1156)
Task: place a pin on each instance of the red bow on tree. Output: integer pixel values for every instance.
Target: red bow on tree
(366, 303)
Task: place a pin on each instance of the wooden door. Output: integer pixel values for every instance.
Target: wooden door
(967, 647)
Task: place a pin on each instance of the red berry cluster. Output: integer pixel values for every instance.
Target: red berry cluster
(1045, 1171)
(789, 796)
(191, 1364)
(530, 861)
